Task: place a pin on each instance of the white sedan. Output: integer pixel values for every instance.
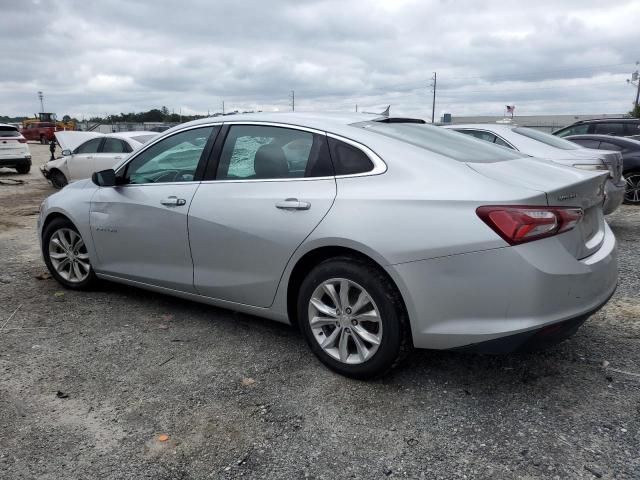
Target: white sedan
(86, 152)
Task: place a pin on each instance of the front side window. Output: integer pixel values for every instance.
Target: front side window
(609, 128)
(632, 128)
(172, 159)
(254, 152)
(90, 146)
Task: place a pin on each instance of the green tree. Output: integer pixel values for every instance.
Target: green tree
(635, 112)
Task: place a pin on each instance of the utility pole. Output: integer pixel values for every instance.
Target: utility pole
(293, 100)
(635, 81)
(356, 108)
(434, 85)
(41, 97)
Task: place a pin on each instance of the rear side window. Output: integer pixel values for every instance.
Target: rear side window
(114, 145)
(586, 143)
(610, 146)
(486, 136)
(633, 128)
(347, 159)
(255, 152)
(609, 128)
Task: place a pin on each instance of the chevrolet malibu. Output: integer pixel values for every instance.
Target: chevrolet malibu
(371, 235)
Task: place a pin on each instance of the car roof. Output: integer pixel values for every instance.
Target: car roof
(607, 120)
(329, 122)
(5, 125)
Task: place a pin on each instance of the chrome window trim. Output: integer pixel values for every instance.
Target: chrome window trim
(379, 166)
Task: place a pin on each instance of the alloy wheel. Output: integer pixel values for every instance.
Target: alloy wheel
(632, 190)
(345, 321)
(69, 256)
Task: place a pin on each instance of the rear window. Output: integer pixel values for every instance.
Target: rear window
(463, 148)
(143, 138)
(545, 138)
(9, 132)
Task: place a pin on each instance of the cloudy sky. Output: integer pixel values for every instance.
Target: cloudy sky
(124, 55)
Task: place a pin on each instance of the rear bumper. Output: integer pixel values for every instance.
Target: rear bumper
(18, 161)
(614, 195)
(460, 300)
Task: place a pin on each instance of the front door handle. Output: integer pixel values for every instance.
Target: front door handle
(173, 201)
(293, 204)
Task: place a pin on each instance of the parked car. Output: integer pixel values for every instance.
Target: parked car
(542, 145)
(86, 152)
(42, 132)
(370, 234)
(14, 151)
(630, 150)
(618, 127)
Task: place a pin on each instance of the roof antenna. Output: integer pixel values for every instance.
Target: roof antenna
(384, 113)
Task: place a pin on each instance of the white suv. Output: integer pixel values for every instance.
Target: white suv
(14, 151)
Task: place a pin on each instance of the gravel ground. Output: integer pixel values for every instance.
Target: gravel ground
(90, 383)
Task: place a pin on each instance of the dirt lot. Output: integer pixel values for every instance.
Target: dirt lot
(90, 381)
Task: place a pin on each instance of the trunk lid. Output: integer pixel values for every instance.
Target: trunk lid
(563, 187)
(69, 140)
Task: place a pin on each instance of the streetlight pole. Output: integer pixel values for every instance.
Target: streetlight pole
(433, 105)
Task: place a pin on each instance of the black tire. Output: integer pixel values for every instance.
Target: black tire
(55, 225)
(23, 169)
(395, 342)
(631, 177)
(58, 180)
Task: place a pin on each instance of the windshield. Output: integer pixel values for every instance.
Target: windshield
(451, 144)
(9, 132)
(546, 138)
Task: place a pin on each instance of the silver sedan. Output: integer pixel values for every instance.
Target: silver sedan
(371, 235)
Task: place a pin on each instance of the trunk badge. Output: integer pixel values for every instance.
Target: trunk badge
(568, 196)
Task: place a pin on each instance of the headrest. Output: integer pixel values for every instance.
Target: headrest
(270, 162)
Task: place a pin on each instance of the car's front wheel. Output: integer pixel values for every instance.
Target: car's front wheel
(353, 317)
(58, 180)
(66, 255)
(632, 188)
(23, 169)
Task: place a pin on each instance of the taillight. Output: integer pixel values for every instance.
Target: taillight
(516, 224)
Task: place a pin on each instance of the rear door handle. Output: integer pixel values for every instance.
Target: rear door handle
(293, 204)
(173, 201)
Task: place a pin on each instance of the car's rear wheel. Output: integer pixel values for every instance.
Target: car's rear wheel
(58, 180)
(66, 255)
(23, 169)
(353, 318)
(632, 188)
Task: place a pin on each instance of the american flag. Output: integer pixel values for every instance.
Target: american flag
(511, 108)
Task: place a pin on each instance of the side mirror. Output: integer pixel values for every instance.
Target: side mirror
(104, 178)
(66, 153)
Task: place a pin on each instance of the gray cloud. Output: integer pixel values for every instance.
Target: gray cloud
(119, 56)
